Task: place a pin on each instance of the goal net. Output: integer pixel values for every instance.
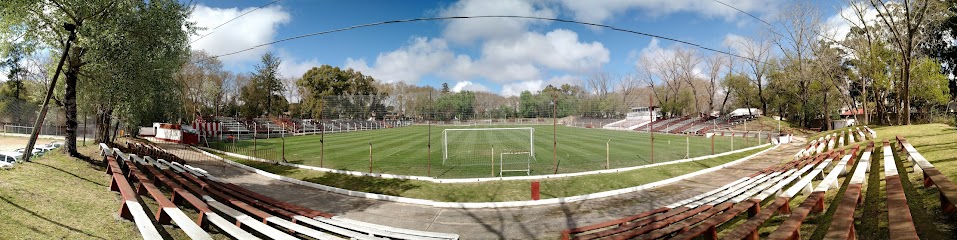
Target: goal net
(515, 162)
(483, 146)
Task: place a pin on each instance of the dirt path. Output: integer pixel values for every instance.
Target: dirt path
(540, 222)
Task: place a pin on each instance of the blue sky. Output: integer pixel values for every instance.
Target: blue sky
(503, 56)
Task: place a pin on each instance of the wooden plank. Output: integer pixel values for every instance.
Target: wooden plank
(899, 219)
(791, 227)
(708, 227)
(640, 223)
(749, 228)
(566, 234)
(842, 222)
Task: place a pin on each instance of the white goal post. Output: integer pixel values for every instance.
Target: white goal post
(477, 146)
(518, 162)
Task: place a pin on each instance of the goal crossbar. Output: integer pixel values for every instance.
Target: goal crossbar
(528, 163)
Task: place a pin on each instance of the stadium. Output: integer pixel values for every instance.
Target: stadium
(459, 119)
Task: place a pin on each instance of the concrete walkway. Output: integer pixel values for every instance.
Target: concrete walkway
(539, 222)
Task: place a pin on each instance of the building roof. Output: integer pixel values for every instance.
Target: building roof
(858, 111)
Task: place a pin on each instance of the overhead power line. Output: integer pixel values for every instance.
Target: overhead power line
(211, 31)
(486, 16)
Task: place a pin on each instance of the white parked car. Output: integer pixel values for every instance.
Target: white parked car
(8, 159)
(55, 144)
(35, 152)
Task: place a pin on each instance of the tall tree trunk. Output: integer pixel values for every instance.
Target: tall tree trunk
(69, 99)
(906, 91)
(827, 118)
(103, 117)
(867, 118)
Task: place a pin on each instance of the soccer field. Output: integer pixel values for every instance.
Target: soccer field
(405, 150)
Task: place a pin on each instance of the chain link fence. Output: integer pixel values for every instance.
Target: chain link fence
(405, 135)
(18, 116)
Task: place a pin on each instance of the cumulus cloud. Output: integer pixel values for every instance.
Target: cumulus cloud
(252, 29)
(500, 61)
(408, 63)
(505, 60)
(469, 86)
(516, 88)
(602, 10)
(653, 54)
(464, 31)
(838, 26)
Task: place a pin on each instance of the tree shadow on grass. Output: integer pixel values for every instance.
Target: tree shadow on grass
(37, 215)
(394, 187)
(70, 173)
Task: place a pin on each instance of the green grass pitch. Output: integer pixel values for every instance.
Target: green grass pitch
(405, 151)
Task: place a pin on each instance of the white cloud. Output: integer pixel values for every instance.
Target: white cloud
(602, 10)
(653, 54)
(737, 43)
(255, 28)
(501, 61)
(407, 64)
(506, 60)
(515, 89)
(291, 67)
(469, 86)
(468, 30)
(837, 26)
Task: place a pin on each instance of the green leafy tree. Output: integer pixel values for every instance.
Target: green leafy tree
(337, 93)
(123, 59)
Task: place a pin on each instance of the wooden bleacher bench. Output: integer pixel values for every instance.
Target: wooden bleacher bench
(130, 208)
(163, 173)
(752, 205)
(167, 210)
(842, 222)
(790, 229)
(947, 190)
(899, 221)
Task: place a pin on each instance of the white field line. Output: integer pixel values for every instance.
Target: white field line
(472, 180)
(487, 204)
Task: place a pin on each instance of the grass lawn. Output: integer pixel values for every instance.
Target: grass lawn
(56, 196)
(405, 150)
(60, 197)
(497, 191)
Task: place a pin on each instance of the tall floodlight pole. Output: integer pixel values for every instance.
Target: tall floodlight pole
(554, 135)
(429, 144)
(651, 127)
(46, 102)
(322, 134)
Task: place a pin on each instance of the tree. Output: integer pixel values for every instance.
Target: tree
(800, 24)
(15, 71)
(904, 22)
(267, 85)
(123, 48)
(757, 54)
(326, 90)
(201, 81)
(445, 88)
(713, 64)
(930, 85)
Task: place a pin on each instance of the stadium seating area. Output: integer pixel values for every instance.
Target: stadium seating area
(701, 216)
(233, 210)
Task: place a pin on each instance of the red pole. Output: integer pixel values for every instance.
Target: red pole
(370, 157)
